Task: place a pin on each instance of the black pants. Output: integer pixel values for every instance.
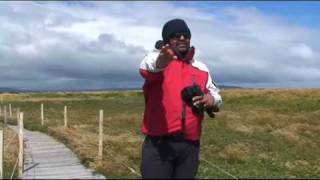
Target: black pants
(169, 157)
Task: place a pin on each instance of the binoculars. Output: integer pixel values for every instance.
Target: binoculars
(191, 91)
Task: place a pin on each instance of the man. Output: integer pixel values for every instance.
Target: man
(172, 125)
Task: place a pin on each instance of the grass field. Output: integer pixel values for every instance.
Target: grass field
(259, 133)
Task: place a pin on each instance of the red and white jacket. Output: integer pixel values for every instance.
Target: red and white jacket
(162, 93)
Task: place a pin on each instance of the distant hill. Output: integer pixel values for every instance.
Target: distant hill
(15, 90)
(229, 87)
(9, 90)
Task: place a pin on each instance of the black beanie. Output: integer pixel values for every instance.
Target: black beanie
(174, 26)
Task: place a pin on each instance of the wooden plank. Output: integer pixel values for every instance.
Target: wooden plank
(63, 177)
(54, 164)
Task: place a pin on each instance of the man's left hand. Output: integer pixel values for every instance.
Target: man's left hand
(207, 100)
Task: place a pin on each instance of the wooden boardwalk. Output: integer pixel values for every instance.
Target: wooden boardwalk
(46, 158)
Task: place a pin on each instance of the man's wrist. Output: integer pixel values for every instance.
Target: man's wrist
(211, 99)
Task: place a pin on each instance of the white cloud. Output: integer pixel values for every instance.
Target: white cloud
(302, 51)
(102, 43)
(27, 51)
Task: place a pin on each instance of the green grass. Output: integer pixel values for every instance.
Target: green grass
(258, 133)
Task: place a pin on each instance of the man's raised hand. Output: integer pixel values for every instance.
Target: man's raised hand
(166, 55)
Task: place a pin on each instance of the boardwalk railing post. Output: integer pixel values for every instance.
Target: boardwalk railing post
(5, 114)
(20, 161)
(42, 116)
(65, 117)
(1, 154)
(10, 111)
(1, 99)
(18, 114)
(100, 135)
(0, 109)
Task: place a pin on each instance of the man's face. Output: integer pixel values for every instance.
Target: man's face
(181, 41)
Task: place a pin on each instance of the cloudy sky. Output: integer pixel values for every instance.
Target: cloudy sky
(94, 45)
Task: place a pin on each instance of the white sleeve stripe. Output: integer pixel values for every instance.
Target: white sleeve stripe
(211, 86)
(214, 91)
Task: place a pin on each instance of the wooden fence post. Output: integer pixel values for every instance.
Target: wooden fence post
(65, 117)
(0, 109)
(5, 114)
(1, 154)
(100, 135)
(1, 99)
(10, 111)
(20, 161)
(42, 115)
(18, 114)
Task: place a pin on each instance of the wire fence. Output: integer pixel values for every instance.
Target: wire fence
(19, 160)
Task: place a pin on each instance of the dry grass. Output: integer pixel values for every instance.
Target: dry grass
(10, 152)
(67, 96)
(281, 94)
(288, 124)
(119, 154)
(237, 152)
(259, 132)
